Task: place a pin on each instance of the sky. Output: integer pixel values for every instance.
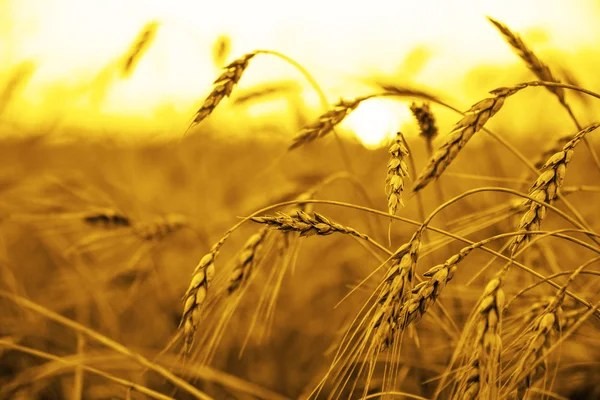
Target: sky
(73, 43)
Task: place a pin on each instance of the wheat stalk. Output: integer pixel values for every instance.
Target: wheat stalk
(397, 172)
(545, 188)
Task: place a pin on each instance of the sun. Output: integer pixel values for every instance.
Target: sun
(376, 120)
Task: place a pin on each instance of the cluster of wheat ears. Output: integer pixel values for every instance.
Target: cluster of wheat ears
(488, 361)
(477, 370)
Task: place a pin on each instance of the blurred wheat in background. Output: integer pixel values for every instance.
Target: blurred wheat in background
(317, 201)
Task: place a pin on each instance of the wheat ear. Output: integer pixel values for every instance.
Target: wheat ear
(223, 86)
(543, 72)
(480, 379)
(426, 293)
(197, 290)
(551, 320)
(397, 172)
(246, 261)
(326, 122)
(474, 119)
(539, 68)
(160, 228)
(394, 291)
(107, 219)
(426, 120)
(545, 188)
(138, 48)
(306, 224)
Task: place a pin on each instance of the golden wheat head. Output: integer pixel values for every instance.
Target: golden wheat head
(397, 172)
(223, 86)
(545, 188)
(326, 122)
(541, 70)
(426, 120)
(473, 121)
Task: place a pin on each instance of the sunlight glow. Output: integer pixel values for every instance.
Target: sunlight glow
(375, 121)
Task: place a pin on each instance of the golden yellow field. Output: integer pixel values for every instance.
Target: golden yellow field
(282, 258)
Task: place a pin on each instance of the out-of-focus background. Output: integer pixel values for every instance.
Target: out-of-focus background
(65, 49)
(106, 206)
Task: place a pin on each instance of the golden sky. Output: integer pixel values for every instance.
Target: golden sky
(72, 44)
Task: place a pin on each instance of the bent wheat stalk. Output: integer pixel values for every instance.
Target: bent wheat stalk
(543, 72)
(537, 66)
(474, 120)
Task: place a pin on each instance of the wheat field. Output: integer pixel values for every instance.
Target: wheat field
(456, 261)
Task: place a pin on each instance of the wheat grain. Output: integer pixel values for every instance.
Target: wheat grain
(542, 304)
(397, 172)
(554, 148)
(545, 188)
(223, 86)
